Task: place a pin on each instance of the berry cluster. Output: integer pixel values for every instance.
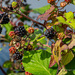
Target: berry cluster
(20, 31)
(4, 18)
(17, 55)
(49, 33)
(11, 34)
(0, 29)
(12, 50)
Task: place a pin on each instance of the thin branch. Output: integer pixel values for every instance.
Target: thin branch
(20, 13)
(3, 70)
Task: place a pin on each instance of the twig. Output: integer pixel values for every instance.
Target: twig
(3, 70)
(20, 13)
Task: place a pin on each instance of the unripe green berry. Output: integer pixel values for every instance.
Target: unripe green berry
(14, 4)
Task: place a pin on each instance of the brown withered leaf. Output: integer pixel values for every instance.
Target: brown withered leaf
(72, 43)
(46, 14)
(52, 61)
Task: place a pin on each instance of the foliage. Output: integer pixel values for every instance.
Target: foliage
(34, 52)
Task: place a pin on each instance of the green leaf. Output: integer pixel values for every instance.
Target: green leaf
(42, 40)
(70, 21)
(37, 62)
(17, 73)
(70, 67)
(7, 64)
(67, 58)
(42, 9)
(22, 10)
(8, 29)
(58, 28)
(73, 2)
(69, 15)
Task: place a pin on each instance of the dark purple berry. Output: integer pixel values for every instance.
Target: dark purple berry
(17, 56)
(5, 18)
(10, 7)
(20, 31)
(49, 33)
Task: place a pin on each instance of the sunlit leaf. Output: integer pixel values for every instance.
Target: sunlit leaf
(69, 15)
(37, 62)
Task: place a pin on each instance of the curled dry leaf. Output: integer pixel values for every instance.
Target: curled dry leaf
(52, 61)
(57, 48)
(57, 51)
(46, 14)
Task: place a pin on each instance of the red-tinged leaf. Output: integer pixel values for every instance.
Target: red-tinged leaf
(72, 43)
(64, 47)
(52, 61)
(57, 51)
(46, 14)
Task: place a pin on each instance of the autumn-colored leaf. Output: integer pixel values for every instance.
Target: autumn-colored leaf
(52, 61)
(46, 14)
(72, 43)
(57, 51)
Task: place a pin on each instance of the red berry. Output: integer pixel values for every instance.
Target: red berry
(63, 4)
(67, 0)
(49, 1)
(31, 30)
(12, 50)
(11, 33)
(27, 73)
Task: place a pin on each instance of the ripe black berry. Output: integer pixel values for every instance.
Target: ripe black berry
(5, 18)
(10, 7)
(17, 55)
(0, 29)
(20, 31)
(49, 33)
